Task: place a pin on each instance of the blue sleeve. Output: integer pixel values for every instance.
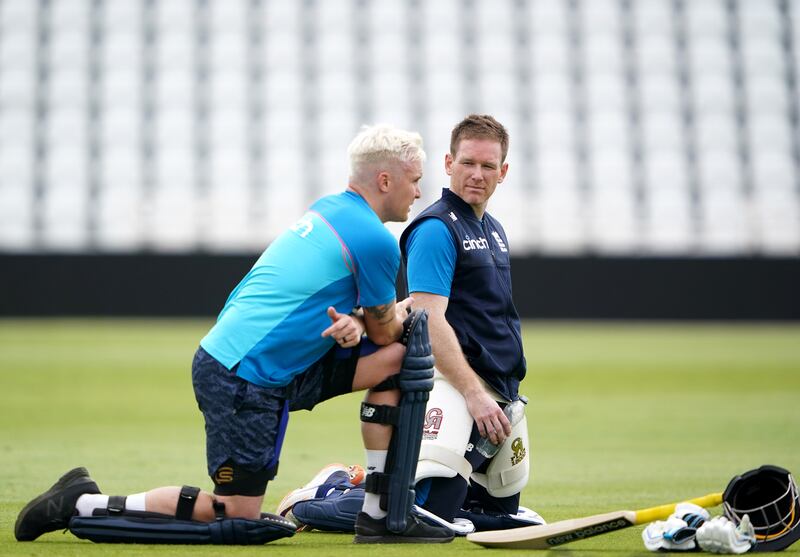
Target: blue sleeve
(377, 258)
(431, 258)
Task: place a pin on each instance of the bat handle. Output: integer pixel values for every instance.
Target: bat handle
(663, 511)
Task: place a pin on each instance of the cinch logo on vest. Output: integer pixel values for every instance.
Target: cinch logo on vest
(480, 243)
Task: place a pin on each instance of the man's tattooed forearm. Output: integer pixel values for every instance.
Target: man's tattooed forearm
(379, 312)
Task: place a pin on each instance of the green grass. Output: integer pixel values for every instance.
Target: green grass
(620, 415)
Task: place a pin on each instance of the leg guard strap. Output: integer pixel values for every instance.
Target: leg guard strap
(186, 502)
(378, 483)
(379, 413)
(116, 504)
(138, 527)
(388, 384)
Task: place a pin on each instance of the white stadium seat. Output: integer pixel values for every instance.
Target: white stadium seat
(725, 223)
(767, 95)
(16, 215)
(707, 18)
(710, 55)
(17, 48)
(606, 92)
(760, 19)
(603, 51)
(663, 131)
(656, 55)
(553, 92)
(175, 16)
(715, 132)
(551, 54)
(763, 56)
(720, 170)
(713, 93)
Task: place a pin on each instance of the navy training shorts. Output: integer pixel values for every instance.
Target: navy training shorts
(245, 423)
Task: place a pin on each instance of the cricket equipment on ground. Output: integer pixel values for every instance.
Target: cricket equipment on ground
(330, 477)
(769, 496)
(375, 530)
(484, 520)
(116, 525)
(565, 531)
(677, 533)
(673, 534)
(415, 380)
(720, 535)
(52, 509)
(136, 527)
(459, 526)
(335, 511)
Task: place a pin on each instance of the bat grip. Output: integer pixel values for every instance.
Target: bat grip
(663, 511)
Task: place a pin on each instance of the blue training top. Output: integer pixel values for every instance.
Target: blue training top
(432, 256)
(338, 254)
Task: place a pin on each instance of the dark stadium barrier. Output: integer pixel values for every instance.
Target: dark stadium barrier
(544, 287)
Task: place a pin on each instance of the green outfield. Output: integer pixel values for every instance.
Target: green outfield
(621, 416)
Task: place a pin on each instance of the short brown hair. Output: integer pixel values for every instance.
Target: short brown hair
(480, 126)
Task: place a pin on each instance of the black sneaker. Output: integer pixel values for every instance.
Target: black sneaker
(52, 509)
(374, 530)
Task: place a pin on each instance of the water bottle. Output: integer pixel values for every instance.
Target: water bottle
(514, 411)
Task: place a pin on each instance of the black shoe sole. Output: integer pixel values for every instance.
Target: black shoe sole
(63, 481)
(398, 539)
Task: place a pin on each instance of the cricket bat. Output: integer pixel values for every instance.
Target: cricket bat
(566, 531)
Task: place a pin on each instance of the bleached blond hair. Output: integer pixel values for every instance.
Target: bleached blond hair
(384, 143)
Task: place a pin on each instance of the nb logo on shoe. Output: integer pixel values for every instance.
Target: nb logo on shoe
(519, 451)
(224, 475)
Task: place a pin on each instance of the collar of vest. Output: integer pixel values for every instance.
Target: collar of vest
(463, 208)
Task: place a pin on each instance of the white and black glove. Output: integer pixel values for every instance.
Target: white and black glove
(720, 535)
(677, 533)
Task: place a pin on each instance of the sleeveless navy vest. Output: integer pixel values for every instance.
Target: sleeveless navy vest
(480, 309)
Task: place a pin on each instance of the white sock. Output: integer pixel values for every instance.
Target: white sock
(88, 502)
(135, 502)
(376, 462)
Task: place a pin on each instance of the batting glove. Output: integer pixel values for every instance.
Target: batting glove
(677, 533)
(720, 535)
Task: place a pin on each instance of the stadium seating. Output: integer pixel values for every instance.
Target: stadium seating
(638, 127)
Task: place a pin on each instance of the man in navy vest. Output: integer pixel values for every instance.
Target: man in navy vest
(458, 264)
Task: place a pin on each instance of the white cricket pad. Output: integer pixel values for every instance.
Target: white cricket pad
(509, 470)
(445, 435)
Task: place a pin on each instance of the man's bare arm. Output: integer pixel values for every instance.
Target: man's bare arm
(384, 323)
